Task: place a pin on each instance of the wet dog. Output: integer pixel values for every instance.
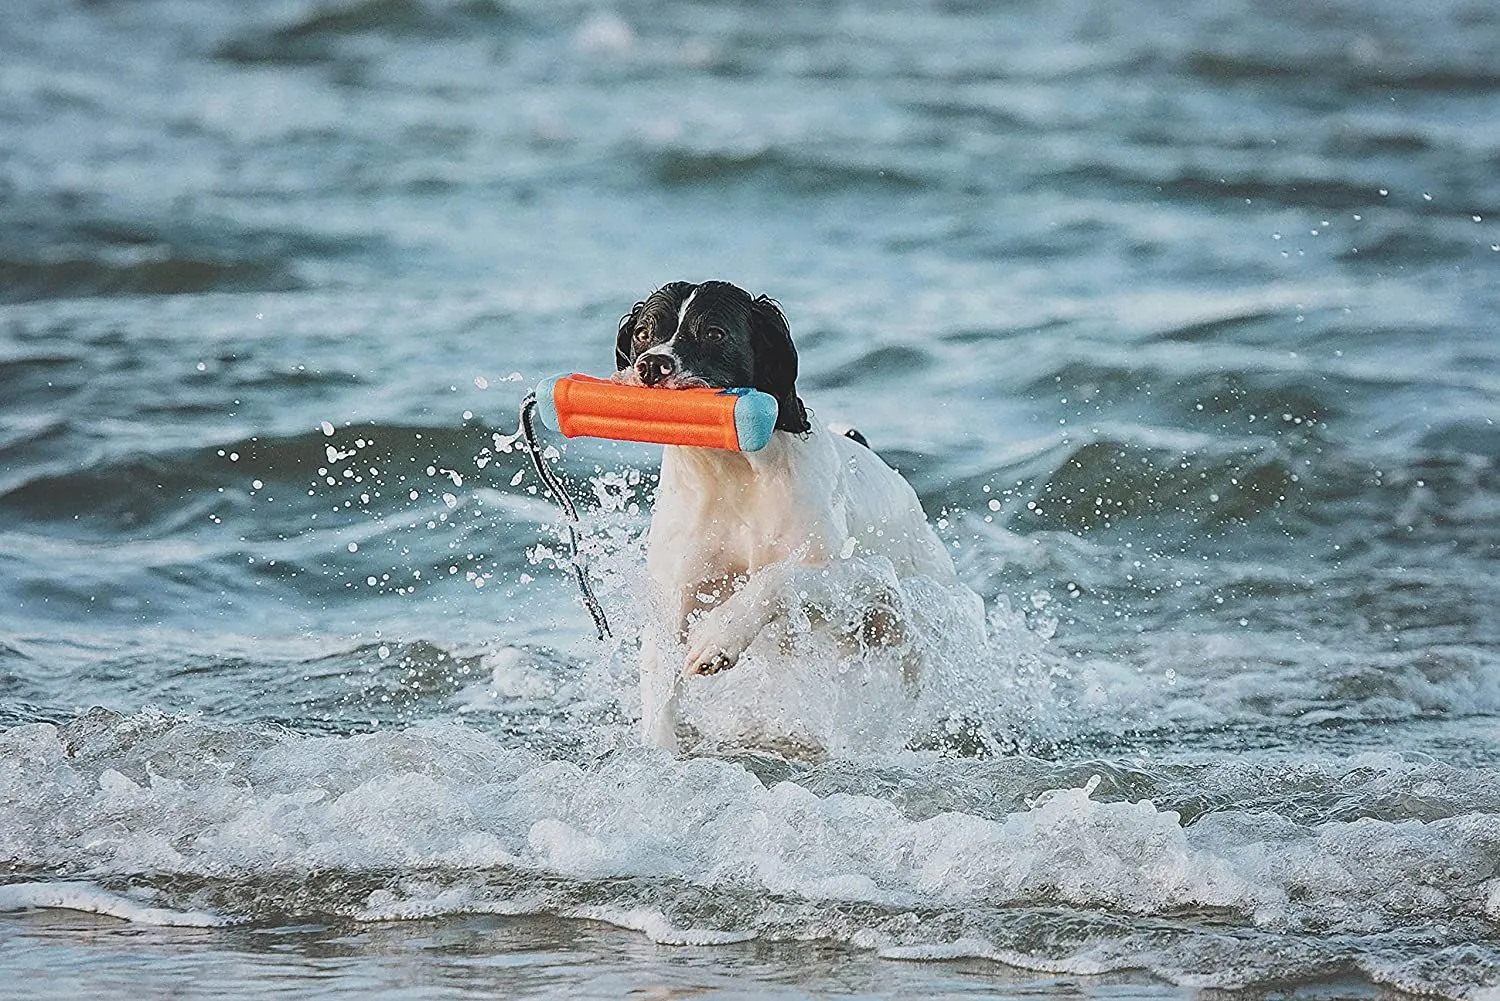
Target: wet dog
(740, 541)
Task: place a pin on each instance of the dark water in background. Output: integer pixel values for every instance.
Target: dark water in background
(1180, 316)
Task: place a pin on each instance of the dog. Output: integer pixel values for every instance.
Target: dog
(740, 542)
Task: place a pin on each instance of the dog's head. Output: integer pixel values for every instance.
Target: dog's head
(711, 334)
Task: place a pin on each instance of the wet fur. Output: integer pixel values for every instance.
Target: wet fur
(735, 537)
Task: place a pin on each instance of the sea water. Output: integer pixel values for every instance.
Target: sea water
(1180, 319)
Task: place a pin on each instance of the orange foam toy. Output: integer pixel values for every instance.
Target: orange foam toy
(576, 405)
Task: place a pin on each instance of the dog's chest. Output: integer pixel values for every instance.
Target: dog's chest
(716, 515)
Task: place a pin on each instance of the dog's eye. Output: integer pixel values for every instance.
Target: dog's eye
(713, 334)
(642, 335)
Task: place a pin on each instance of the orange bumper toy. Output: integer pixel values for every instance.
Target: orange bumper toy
(740, 420)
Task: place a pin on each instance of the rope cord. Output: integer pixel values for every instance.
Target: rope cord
(555, 488)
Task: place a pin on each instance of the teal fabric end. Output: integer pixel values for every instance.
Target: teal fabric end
(546, 402)
(754, 418)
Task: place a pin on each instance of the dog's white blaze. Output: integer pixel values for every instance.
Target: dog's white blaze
(682, 312)
(664, 349)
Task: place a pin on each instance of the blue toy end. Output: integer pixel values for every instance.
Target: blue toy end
(754, 418)
(546, 402)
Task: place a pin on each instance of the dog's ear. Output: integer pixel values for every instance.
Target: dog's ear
(776, 363)
(624, 338)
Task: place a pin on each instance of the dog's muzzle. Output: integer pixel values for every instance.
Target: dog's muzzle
(653, 368)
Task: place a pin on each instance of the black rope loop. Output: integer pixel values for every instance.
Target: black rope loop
(555, 488)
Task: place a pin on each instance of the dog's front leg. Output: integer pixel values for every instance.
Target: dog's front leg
(660, 680)
(718, 639)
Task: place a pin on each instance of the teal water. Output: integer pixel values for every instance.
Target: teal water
(1180, 319)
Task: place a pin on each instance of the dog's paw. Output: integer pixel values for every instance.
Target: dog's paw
(710, 660)
(722, 635)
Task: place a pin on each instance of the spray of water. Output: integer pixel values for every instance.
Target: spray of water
(949, 675)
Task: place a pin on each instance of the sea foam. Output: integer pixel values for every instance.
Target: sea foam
(443, 819)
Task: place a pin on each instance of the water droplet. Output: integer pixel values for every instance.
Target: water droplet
(327, 428)
(354, 547)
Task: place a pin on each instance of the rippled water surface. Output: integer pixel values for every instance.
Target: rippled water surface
(1180, 317)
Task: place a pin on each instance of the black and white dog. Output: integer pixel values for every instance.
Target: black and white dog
(738, 541)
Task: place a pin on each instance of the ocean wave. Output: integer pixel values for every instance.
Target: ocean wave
(1389, 245)
(1332, 191)
(27, 280)
(50, 249)
(37, 378)
(1227, 681)
(374, 470)
(871, 367)
(411, 514)
(1374, 72)
(803, 173)
(32, 443)
(1114, 477)
(240, 823)
(531, 697)
(323, 31)
(1222, 394)
(81, 896)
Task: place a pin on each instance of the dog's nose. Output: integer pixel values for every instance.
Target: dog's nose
(653, 368)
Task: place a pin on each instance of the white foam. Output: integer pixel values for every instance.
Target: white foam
(800, 689)
(1201, 680)
(74, 896)
(442, 819)
(969, 948)
(655, 925)
(447, 796)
